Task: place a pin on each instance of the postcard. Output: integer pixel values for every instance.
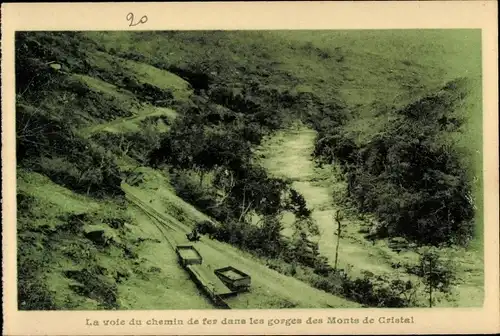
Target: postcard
(218, 168)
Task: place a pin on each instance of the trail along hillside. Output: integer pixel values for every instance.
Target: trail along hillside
(288, 154)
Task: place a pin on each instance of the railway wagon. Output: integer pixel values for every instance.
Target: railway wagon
(234, 279)
(188, 255)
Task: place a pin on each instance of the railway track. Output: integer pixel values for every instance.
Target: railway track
(162, 219)
(164, 227)
(266, 279)
(159, 223)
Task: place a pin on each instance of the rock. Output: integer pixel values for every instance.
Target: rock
(97, 236)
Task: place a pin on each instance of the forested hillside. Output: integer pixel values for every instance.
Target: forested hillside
(181, 117)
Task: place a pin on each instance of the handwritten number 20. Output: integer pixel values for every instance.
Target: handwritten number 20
(130, 17)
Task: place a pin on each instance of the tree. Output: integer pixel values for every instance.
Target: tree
(297, 204)
(224, 181)
(272, 242)
(301, 249)
(338, 218)
(438, 275)
(254, 191)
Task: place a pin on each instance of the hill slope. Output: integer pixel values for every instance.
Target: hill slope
(70, 264)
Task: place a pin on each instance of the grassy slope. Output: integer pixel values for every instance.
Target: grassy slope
(371, 71)
(150, 278)
(105, 63)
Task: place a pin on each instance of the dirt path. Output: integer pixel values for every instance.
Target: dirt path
(130, 123)
(288, 154)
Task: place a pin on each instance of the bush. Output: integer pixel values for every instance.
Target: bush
(32, 291)
(266, 240)
(93, 283)
(409, 175)
(381, 291)
(189, 189)
(98, 175)
(47, 145)
(331, 283)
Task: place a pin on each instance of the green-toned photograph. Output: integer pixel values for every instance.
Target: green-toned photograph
(164, 170)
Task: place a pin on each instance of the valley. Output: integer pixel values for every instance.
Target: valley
(138, 137)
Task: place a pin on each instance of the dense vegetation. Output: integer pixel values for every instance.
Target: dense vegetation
(46, 121)
(215, 142)
(410, 174)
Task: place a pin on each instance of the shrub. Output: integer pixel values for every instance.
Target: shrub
(381, 291)
(189, 189)
(47, 145)
(93, 283)
(32, 291)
